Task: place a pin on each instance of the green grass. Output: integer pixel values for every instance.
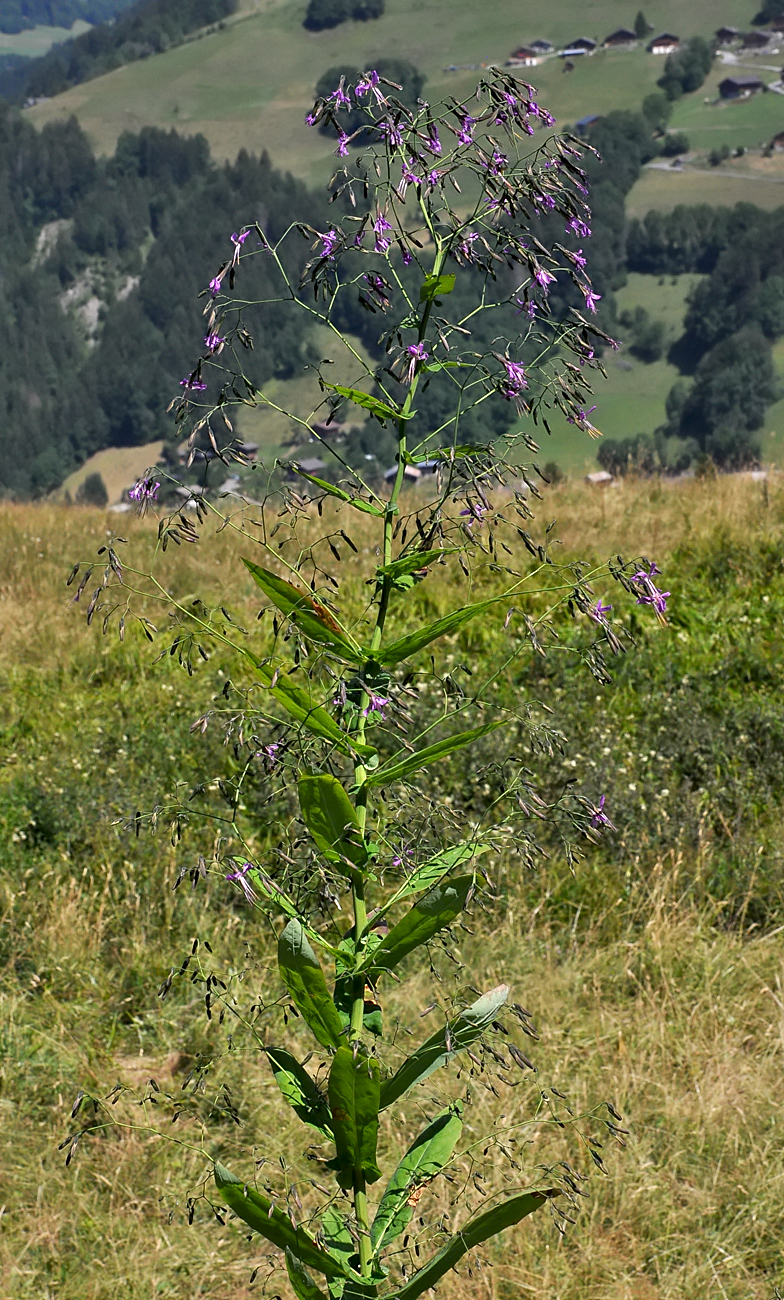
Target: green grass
(653, 973)
(38, 40)
(664, 190)
(251, 84)
(749, 122)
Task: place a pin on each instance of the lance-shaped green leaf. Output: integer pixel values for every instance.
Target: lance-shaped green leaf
(302, 1283)
(431, 872)
(312, 618)
(299, 1090)
(304, 979)
(406, 646)
(331, 819)
(357, 502)
(412, 562)
(435, 286)
(258, 1212)
(396, 769)
(489, 1224)
(381, 410)
(298, 703)
(354, 1089)
(460, 1033)
(437, 909)
(425, 1158)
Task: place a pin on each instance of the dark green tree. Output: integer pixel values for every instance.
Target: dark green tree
(641, 26)
(92, 492)
(686, 69)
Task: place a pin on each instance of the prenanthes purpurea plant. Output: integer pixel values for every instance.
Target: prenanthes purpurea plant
(348, 707)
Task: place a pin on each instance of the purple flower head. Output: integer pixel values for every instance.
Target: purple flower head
(475, 514)
(647, 591)
(144, 491)
(312, 118)
(269, 753)
(543, 278)
(465, 249)
(581, 419)
(515, 380)
(216, 282)
(599, 818)
(376, 704)
(579, 228)
(192, 384)
(241, 878)
(433, 177)
(213, 342)
(432, 141)
(598, 611)
(339, 98)
(401, 860)
(391, 133)
(652, 571)
(530, 307)
(380, 226)
(239, 240)
(370, 86)
(578, 259)
(379, 289)
(591, 298)
(467, 124)
(407, 257)
(342, 149)
(417, 355)
(329, 243)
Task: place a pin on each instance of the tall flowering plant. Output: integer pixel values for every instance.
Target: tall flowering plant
(433, 209)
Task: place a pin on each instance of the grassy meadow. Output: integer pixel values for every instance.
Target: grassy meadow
(250, 84)
(654, 973)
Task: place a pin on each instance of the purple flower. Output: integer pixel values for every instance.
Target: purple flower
(599, 817)
(432, 141)
(465, 249)
(239, 240)
(579, 228)
(144, 491)
(475, 514)
(530, 307)
(192, 384)
(543, 278)
(591, 298)
(515, 380)
(329, 243)
(647, 591)
(582, 421)
(407, 257)
(598, 611)
(467, 124)
(578, 259)
(269, 753)
(379, 289)
(652, 571)
(370, 86)
(433, 177)
(215, 283)
(312, 118)
(392, 133)
(342, 149)
(339, 97)
(213, 342)
(418, 355)
(375, 704)
(380, 226)
(241, 877)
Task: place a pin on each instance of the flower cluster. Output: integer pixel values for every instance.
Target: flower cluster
(647, 591)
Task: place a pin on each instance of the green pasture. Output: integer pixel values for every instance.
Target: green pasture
(250, 84)
(665, 190)
(34, 42)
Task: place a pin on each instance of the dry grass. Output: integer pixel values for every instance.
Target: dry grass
(646, 999)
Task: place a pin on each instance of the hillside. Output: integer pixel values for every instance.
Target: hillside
(251, 84)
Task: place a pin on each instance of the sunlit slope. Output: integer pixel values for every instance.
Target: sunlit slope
(249, 85)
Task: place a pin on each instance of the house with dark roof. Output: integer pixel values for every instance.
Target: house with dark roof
(525, 57)
(664, 43)
(740, 87)
(726, 35)
(585, 122)
(620, 39)
(756, 40)
(542, 47)
(583, 44)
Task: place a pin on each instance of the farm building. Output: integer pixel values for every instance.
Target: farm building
(726, 35)
(756, 40)
(542, 47)
(735, 87)
(777, 143)
(583, 45)
(664, 43)
(525, 57)
(623, 37)
(585, 122)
